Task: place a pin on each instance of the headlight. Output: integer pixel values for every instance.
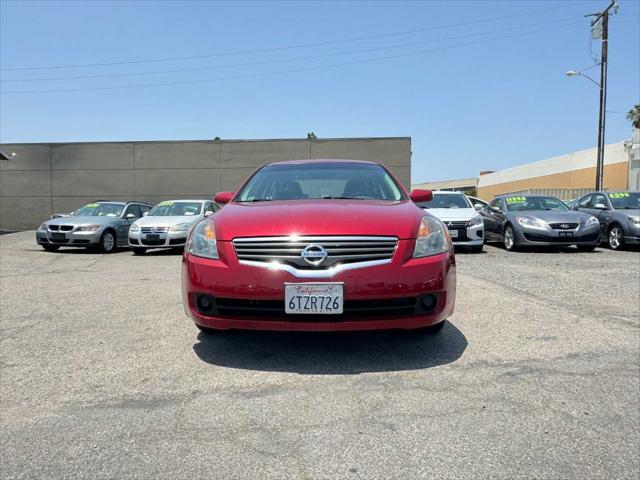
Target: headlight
(181, 227)
(591, 221)
(531, 222)
(42, 227)
(432, 238)
(202, 241)
(634, 220)
(477, 220)
(134, 228)
(88, 228)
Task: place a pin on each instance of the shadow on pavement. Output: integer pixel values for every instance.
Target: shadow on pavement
(331, 353)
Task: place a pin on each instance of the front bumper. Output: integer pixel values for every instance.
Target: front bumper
(166, 239)
(252, 298)
(68, 239)
(549, 237)
(467, 236)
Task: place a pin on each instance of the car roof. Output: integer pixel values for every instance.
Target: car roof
(187, 200)
(322, 160)
(119, 202)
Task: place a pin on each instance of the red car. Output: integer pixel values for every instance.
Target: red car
(319, 245)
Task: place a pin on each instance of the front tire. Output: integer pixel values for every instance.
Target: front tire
(51, 248)
(509, 239)
(616, 238)
(108, 242)
(138, 250)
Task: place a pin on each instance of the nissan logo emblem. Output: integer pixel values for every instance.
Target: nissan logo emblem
(314, 254)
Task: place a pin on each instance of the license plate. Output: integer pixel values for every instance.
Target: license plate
(565, 234)
(58, 236)
(152, 236)
(313, 298)
(453, 233)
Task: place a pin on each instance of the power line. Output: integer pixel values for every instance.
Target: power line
(291, 59)
(281, 72)
(276, 49)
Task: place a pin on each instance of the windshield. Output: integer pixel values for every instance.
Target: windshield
(172, 209)
(447, 200)
(524, 203)
(359, 181)
(625, 200)
(99, 210)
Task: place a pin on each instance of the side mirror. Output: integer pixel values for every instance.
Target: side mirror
(600, 206)
(478, 206)
(130, 216)
(144, 214)
(208, 213)
(223, 197)
(418, 195)
(496, 209)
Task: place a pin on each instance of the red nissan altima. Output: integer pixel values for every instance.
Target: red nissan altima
(319, 245)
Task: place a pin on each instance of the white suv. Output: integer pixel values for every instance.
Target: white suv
(460, 216)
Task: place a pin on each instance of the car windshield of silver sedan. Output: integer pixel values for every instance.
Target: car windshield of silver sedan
(99, 210)
(298, 181)
(625, 200)
(519, 203)
(175, 209)
(446, 200)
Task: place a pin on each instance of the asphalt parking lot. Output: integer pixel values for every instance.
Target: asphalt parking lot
(537, 375)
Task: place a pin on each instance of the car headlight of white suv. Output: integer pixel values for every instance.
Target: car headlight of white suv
(134, 228)
(477, 220)
(202, 241)
(432, 238)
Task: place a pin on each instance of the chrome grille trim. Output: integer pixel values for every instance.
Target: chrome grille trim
(455, 223)
(284, 253)
(158, 229)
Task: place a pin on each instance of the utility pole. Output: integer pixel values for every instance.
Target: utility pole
(600, 28)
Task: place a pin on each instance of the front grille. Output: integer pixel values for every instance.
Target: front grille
(288, 250)
(455, 224)
(54, 228)
(563, 226)
(152, 242)
(66, 228)
(273, 310)
(154, 229)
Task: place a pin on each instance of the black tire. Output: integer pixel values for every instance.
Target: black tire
(586, 248)
(477, 248)
(615, 237)
(509, 239)
(138, 250)
(51, 248)
(433, 329)
(108, 241)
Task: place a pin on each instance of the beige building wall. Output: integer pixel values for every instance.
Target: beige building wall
(572, 171)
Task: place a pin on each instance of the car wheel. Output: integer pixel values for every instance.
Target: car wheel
(433, 329)
(138, 250)
(477, 248)
(51, 248)
(616, 238)
(509, 239)
(108, 241)
(586, 248)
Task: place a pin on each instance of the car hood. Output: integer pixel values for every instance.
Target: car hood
(170, 221)
(452, 213)
(551, 216)
(318, 217)
(84, 220)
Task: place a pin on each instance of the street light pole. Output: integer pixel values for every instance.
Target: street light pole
(602, 20)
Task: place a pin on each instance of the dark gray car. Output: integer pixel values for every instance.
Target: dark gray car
(537, 220)
(618, 214)
(102, 225)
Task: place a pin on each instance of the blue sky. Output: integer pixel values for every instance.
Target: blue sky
(470, 103)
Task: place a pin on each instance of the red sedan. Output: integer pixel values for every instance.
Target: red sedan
(319, 245)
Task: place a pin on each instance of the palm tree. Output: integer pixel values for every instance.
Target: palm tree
(634, 116)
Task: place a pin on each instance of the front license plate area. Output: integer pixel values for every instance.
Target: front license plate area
(314, 298)
(453, 233)
(152, 236)
(58, 236)
(565, 234)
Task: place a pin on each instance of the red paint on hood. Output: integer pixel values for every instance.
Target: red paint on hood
(318, 217)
